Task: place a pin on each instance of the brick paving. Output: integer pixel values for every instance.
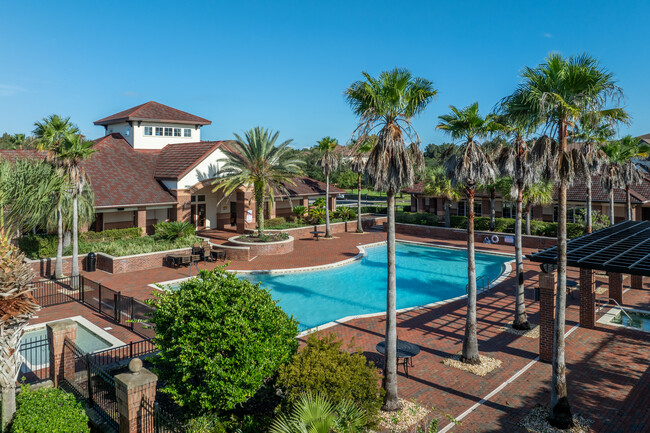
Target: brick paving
(608, 368)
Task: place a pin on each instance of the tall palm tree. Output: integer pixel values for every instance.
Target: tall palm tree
(593, 132)
(469, 166)
(358, 165)
(536, 194)
(437, 184)
(388, 103)
(493, 147)
(558, 92)
(621, 171)
(256, 161)
(31, 189)
(328, 162)
(49, 133)
(70, 153)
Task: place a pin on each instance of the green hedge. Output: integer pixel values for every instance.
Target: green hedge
(502, 225)
(49, 410)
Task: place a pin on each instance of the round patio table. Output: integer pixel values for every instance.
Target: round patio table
(405, 353)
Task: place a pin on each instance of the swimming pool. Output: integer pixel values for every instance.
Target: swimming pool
(424, 275)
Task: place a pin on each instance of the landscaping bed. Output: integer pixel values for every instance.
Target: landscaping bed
(269, 237)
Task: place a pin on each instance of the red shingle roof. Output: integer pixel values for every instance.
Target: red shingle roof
(153, 111)
(308, 186)
(122, 177)
(175, 160)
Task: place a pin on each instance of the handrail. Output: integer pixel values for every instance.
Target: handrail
(483, 280)
(603, 305)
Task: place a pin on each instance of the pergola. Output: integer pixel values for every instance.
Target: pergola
(623, 248)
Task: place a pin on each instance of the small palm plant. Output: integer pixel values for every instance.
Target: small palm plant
(315, 413)
(256, 161)
(437, 184)
(299, 212)
(345, 213)
(328, 162)
(469, 166)
(170, 230)
(536, 194)
(358, 165)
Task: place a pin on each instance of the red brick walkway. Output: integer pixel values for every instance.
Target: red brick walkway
(607, 368)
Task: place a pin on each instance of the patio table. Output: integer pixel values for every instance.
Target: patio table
(317, 233)
(405, 353)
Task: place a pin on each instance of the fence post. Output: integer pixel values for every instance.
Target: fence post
(130, 349)
(89, 377)
(82, 288)
(131, 312)
(130, 390)
(100, 298)
(61, 360)
(117, 302)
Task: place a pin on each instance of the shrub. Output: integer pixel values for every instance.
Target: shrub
(482, 223)
(345, 213)
(48, 409)
(459, 222)
(323, 367)
(37, 246)
(573, 230)
(111, 235)
(319, 202)
(316, 215)
(299, 211)
(220, 338)
(504, 225)
(173, 229)
(374, 209)
(421, 218)
(273, 222)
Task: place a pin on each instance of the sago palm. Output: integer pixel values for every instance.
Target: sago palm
(388, 103)
(358, 165)
(328, 162)
(469, 166)
(256, 161)
(437, 184)
(558, 92)
(49, 133)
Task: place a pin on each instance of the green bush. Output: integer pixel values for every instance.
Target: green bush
(273, 222)
(299, 211)
(170, 230)
(374, 209)
(459, 222)
(345, 213)
(38, 246)
(111, 235)
(323, 367)
(482, 223)
(574, 230)
(422, 218)
(48, 410)
(504, 225)
(220, 338)
(316, 215)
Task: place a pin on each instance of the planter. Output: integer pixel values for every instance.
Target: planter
(264, 248)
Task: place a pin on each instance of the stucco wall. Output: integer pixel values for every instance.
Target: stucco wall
(136, 138)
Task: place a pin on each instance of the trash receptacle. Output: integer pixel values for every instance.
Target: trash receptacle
(91, 262)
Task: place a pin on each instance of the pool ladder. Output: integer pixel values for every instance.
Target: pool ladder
(483, 282)
(606, 303)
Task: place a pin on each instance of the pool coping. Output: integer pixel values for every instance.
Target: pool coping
(606, 318)
(506, 270)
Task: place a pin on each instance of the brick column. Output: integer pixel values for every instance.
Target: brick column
(547, 290)
(636, 282)
(182, 210)
(332, 203)
(587, 298)
(141, 218)
(244, 204)
(272, 209)
(131, 389)
(61, 359)
(616, 287)
(305, 202)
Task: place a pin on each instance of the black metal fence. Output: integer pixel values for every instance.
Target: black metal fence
(35, 358)
(151, 413)
(56, 292)
(118, 354)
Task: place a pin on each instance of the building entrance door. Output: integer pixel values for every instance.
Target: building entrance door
(198, 215)
(233, 213)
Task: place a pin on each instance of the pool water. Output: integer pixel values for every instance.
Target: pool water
(86, 341)
(639, 320)
(424, 275)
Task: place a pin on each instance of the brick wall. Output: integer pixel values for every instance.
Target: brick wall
(547, 290)
(305, 232)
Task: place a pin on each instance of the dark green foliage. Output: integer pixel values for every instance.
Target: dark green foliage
(345, 179)
(421, 218)
(316, 215)
(345, 213)
(299, 211)
(220, 338)
(37, 246)
(48, 410)
(322, 366)
(482, 223)
(375, 209)
(459, 222)
(274, 222)
(170, 230)
(111, 235)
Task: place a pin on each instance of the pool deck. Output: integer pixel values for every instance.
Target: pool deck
(608, 368)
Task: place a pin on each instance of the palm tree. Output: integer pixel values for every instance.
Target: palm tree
(70, 153)
(621, 171)
(49, 133)
(388, 103)
(536, 194)
(493, 147)
(31, 189)
(437, 184)
(315, 413)
(468, 167)
(256, 160)
(358, 165)
(328, 162)
(558, 92)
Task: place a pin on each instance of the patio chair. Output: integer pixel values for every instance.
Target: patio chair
(206, 251)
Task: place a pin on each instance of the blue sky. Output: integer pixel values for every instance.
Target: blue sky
(285, 65)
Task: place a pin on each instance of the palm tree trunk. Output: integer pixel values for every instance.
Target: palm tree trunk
(560, 415)
(259, 208)
(521, 319)
(359, 224)
(493, 194)
(611, 206)
(470, 343)
(75, 239)
(328, 232)
(628, 203)
(589, 227)
(528, 217)
(391, 399)
(58, 265)
(447, 213)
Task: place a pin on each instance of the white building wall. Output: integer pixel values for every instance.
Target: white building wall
(207, 169)
(136, 138)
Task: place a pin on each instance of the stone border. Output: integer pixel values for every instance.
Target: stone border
(275, 248)
(607, 317)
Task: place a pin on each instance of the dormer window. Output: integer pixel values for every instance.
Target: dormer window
(168, 132)
(177, 132)
(159, 131)
(148, 130)
(187, 132)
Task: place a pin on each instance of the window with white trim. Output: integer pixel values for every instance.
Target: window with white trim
(508, 210)
(187, 132)
(177, 132)
(168, 132)
(462, 208)
(148, 130)
(159, 131)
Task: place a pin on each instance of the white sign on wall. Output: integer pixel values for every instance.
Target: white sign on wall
(249, 216)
